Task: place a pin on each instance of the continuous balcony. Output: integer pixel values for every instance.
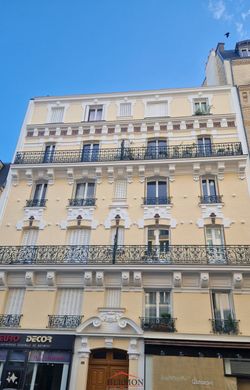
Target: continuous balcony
(82, 202)
(207, 199)
(10, 320)
(228, 255)
(228, 326)
(158, 324)
(157, 200)
(64, 321)
(130, 154)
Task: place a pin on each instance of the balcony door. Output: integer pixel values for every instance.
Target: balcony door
(215, 242)
(90, 152)
(40, 193)
(222, 307)
(204, 146)
(156, 192)
(84, 194)
(158, 237)
(157, 149)
(209, 192)
(49, 153)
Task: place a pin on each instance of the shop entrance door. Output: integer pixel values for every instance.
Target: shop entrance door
(108, 369)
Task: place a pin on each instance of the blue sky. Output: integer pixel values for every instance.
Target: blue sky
(59, 47)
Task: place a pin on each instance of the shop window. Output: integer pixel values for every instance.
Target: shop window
(112, 297)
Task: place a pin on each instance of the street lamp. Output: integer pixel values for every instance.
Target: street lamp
(117, 222)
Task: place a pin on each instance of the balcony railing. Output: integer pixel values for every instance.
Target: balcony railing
(10, 320)
(66, 321)
(206, 199)
(82, 202)
(229, 326)
(36, 202)
(159, 324)
(129, 154)
(234, 255)
(157, 200)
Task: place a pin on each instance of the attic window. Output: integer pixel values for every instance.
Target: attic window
(245, 52)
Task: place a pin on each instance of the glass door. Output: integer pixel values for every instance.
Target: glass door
(14, 370)
(215, 241)
(204, 146)
(49, 153)
(90, 152)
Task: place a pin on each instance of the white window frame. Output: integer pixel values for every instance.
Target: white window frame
(207, 178)
(231, 303)
(131, 109)
(56, 105)
(244, 50)
(72, 307)
(148, 291)
(90, 106)
(156, 101)
(157, 233)
(124, 184)
(115, 291)
(86, 182)
(43, 183)
(199, 96)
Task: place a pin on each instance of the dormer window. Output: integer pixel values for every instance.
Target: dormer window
(245, 52)
(57, 114)
(95, 113)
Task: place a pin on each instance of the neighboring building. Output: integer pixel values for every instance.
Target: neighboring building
(125, 243)
(232, 67)
(4, 169)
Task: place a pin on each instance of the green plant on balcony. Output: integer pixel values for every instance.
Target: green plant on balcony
(203, 110)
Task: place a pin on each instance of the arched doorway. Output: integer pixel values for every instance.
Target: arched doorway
(108, 368)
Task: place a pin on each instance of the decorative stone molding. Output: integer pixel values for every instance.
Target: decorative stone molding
(99, 278)
(125, 279)
(108, 342)
(36, 213)
(177, 279)
(163, 211)
(98, 173)
(196, 171)
(70, 176)
(88, 278)
(51, 278)
(207, 210)
(14, 177)
(111, 217)
(84, 350)
(133, 350)
(29, 176)
(223, 122)
(237, 280)
(85, 212)
(3, 279)
(242, 170)
(50, 176)
(129, 171)
(204, 279)
(110, 172)
(171, 169)
(29, 278)
(220, 169)
(141, 172)
(137, 278)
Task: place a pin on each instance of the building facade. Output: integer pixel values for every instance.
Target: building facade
(232, 67)
(125, 245)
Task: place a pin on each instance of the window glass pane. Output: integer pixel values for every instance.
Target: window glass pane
(90, 190)
(80, 191)
(38, 191)
(212, 189)
(151, 189)
(91, 114)
(162, 189)
(204, 187)
(99, 114)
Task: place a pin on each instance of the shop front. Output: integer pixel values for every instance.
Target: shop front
(220, 366)
(35, 361)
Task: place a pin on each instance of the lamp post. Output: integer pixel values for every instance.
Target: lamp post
(117, 222)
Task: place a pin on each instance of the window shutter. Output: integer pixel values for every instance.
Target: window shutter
(120, 235)
(79, 237)
(57, 114)
(120, 189)
(30, 237)
(157, 109)
(69, 301)
(125, 109)
(14, 301)
(113, 297)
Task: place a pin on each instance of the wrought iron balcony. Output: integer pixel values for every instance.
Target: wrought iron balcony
(157, 200)
(66, 321)
(129, 154)
(231, 255)
(82, 202)
(10, 320)
(207, 199)
(159, 324)
(36, 202)
(229, 326)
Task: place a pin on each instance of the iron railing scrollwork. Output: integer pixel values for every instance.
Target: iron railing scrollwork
(10, 320)
(228, 326)
(160, 324)
(238, 255)
(82, 202)
(36, 202)
(64, 321)
(131, 153)
(207, 199)
(157, 200)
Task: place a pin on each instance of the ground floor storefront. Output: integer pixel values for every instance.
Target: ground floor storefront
(35, 361)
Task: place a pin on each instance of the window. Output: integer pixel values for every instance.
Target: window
(95, 113)
(215, 241)
(120, 189)
(120, 237)
(57, 114)
(157, 303)
(204, 146)
(201, 107)
(113, 297)
(39, 196)
(79, 236)
(222, 307)
(209, 191)
(14, 302)
(49, 153)
(158, 236)
(245, 52)
(156, 192)
(90, 152)
(125, 109)
(84, 195)
(156, 149)
(30, 237)
(69, 301)
(157, 109)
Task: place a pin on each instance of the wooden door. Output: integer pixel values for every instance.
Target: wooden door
(107, 367)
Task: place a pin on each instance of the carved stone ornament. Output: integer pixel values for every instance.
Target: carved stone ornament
(84, 350)
(177, 279)
(204, 279)
(37, 213)
(237, 280)
(111, 217)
